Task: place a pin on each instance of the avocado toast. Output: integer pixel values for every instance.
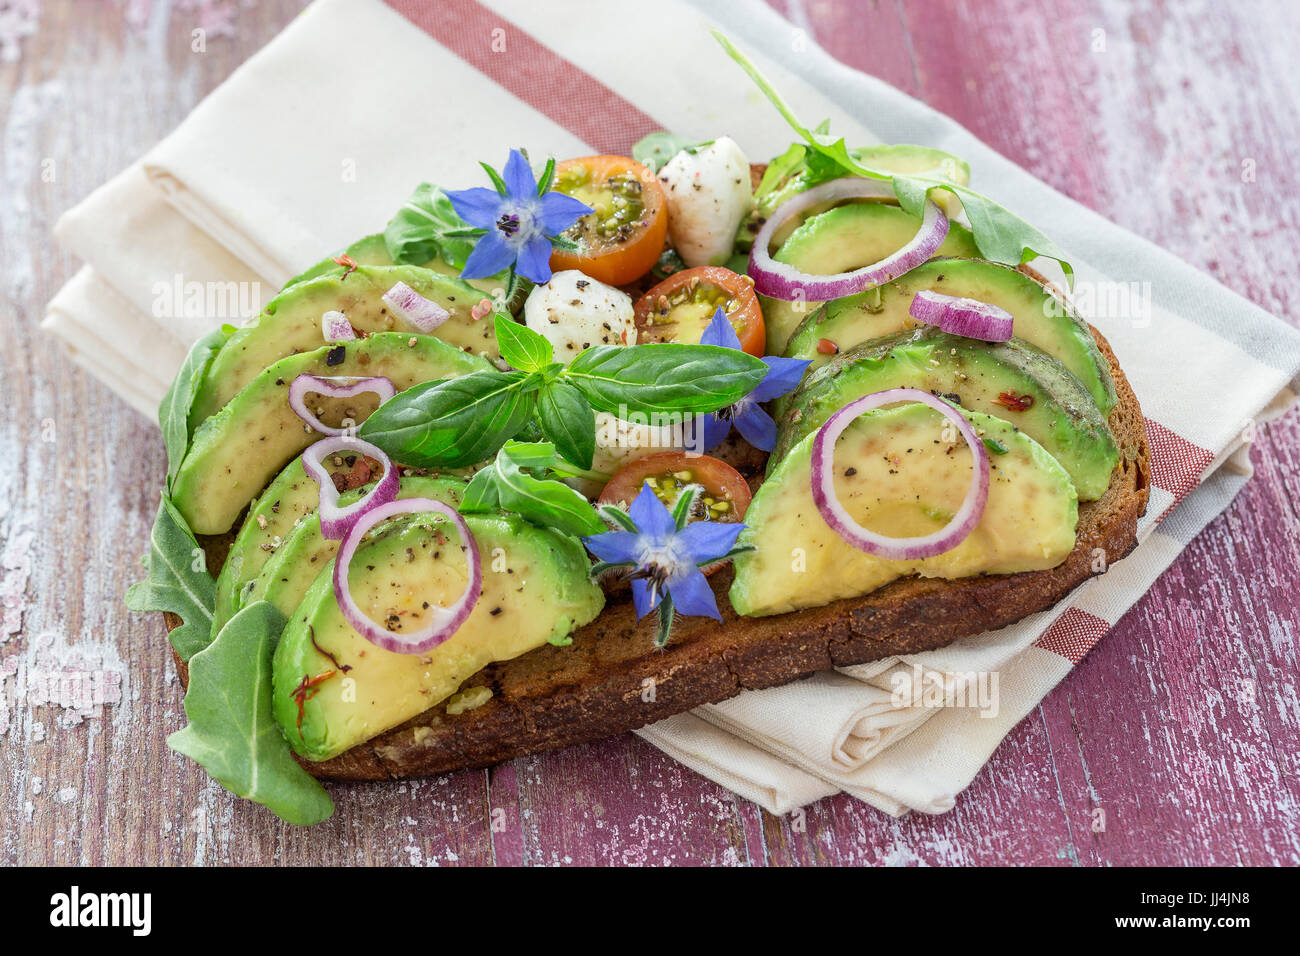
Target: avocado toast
(533, 467)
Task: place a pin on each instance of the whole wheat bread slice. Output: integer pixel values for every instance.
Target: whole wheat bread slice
(597, 687)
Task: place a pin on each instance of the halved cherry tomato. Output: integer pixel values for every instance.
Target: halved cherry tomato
(725, 497)
(623, 238)
(679, 308)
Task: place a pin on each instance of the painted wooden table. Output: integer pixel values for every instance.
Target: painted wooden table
(1182, 725)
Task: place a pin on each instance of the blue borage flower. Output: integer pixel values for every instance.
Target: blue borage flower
(521, 219)
(754, 424)
(665, 551)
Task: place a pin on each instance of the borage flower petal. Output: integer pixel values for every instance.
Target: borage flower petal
(518, 176)
(755, 425)
(692, 595)
(480, 206)
(667, 560)
(491, 255)
(652, 517)
(559, 212)
(519, 226)
(535, 259)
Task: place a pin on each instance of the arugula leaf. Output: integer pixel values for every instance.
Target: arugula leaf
(543, 501)
(568, 421)
(458, 422)
(663, 377)
(232, 733)
(1000, 235)
(174, 583)
(174, 412)
(480, 494)
(422, 230)
(655, 149)
(521, 347)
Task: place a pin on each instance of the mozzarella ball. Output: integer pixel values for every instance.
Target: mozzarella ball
(575, 312)
(709, 193)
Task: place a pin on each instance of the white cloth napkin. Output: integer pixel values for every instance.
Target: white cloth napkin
(316, 140)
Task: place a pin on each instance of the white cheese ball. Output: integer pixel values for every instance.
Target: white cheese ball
(709, 193)
(575, 312)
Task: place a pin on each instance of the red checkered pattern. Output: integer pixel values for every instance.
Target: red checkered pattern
(1073, 634)
(1176, 464)
(534, 73)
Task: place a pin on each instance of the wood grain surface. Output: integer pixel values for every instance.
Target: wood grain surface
(1182, 725)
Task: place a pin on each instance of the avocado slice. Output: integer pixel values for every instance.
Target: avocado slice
(238, 450)
(894, 463)
(1062, 417)
(536, 588)
(289, 571)
(274, 521)
(371, 250)
(291, 323)
(1041, 319)
(841, 239)
(787, 175)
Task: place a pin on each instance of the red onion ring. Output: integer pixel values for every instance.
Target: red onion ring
(969, 317)
(778, 280)
(414, 308)
(341, 387)
(335, 327)
(335, 521)
(883, 546)
(443, 621)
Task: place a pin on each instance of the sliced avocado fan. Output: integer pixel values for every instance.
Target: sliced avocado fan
(1041, 319)
(844, 238)
(1012, 381)
(897, 474)
(536, 588)
(237, 451)
(291, 323)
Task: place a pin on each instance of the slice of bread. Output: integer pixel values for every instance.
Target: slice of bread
(612, 679)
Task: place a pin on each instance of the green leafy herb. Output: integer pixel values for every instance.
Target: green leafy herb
(995, 446)
(655, 149)
(516, 481)
(453, 423)
(464, 421)
(176, 580)
(521, 347)
(427, 228)
(664, 377)
(1000, 235)
(566, 419)
(232, 733)
(174, 412)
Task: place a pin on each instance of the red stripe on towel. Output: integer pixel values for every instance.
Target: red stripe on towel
(1176, 464)
(1073, 634)
(534, 73)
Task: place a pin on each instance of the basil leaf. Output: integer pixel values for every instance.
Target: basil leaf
(568, 421)
(176, 580)
(231, 732)
(663, 377)
(521, 347)
(453, 423)
(174, 412)
(655, 149)
(418, 234)
(999, 234)
(542, 501)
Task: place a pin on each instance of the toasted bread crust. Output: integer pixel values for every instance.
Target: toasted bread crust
(597, 687)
